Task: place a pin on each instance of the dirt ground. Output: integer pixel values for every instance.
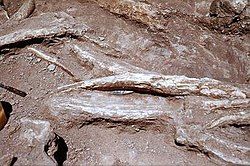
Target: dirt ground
(110, 123)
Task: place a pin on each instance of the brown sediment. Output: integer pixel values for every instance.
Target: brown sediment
(154, 75)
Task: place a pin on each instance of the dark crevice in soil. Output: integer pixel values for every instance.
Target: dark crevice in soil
(46, 40)
(20, 44)
(61, 154)
(194, 148)
(141, 124)
(60, 148)
(13, 161)
(241, 126)
(138, 90)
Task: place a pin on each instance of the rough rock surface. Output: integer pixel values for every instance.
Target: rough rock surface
(125, 82)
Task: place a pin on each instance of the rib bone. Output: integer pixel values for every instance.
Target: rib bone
(226, 104)
(110, 64)
(50, 59)
(161, 84)
(194, 136)
(60, 24)
(243, 118)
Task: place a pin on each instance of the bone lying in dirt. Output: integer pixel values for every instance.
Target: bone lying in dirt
(35, 133)
(86, 105)
(50, 59)
(193, 136)
(2, 9)
(216, 126)
(136, 10)
(104, 62)
(242, 118)
(25, 11)
(226, 104)
(46, 26)
(161, 85)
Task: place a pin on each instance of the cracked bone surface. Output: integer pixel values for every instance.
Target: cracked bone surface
(219, 106)
(139, 11)
(45, 26)
(84, 107)
(88, 105)
(161, 84)
(226, 104)
(107, 63)
(220, 146)
(241, 119)
(219, 129)
(145, 91)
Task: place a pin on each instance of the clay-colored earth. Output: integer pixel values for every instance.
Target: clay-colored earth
(125, 82)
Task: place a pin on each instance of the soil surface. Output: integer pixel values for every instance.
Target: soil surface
(117, 82)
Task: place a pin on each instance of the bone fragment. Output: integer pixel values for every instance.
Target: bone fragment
(24, 12)
(243, 118)
(161, 84)
(226, 104)
(57, 24)
(50, 59)
(104, 62)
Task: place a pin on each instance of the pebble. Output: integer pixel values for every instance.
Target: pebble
(101, 38)
(38, 60)
(51, 67)
(29, 58)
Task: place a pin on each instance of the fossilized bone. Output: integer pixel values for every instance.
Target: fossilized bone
(39, 134)
(107, 63)
(226, 104)
(195, 136)
(50, 59)
(86, 105)
(228, 96)
(217, 96)
(161, 84)
(154, 17)
(242, 118)
(24, 12)
(83, 107)
(63, 24)
(136, 10)
(222, 131)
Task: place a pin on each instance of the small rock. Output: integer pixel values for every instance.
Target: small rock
(29, 58)
(51, 67)
(38, 60)
(34, 133)
(101, 38)
(137, 130)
